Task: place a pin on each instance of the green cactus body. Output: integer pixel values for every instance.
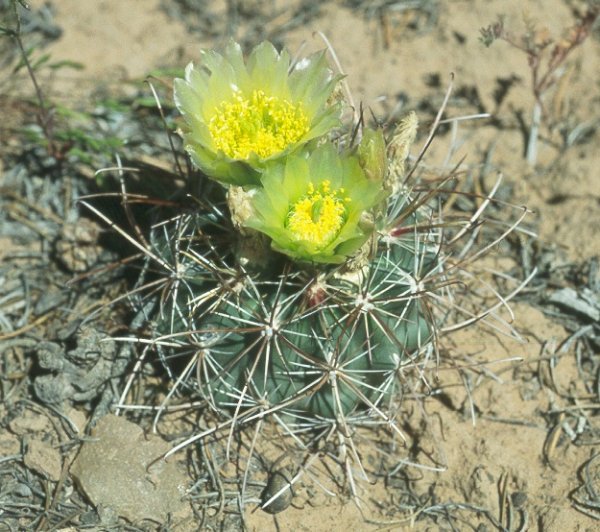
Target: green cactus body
(276, 342)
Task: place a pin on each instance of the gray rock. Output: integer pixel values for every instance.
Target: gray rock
(122, 469)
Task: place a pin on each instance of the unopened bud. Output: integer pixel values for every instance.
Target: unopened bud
(372, 154)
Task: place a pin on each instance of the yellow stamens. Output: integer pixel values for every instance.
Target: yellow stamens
(318, 216)
(261, 124)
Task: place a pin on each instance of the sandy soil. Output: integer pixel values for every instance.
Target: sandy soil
(506, 451)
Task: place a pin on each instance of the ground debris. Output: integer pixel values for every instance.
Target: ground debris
(78, 374)
(583, 302)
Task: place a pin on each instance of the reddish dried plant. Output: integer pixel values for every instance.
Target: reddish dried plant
(545, 56)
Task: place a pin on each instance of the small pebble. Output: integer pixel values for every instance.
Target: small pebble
(518, 499)
(277, 481)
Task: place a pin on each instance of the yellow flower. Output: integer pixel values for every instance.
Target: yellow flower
(240, 115)
(313, 207)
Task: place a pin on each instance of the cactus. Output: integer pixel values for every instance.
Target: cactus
(300, 282)
(294, 284)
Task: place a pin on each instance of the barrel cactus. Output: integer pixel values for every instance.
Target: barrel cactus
(295, 284)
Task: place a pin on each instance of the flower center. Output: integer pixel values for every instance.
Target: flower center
(318, 216)
(261, 124)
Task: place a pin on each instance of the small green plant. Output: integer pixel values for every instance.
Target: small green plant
(60, 130)
(44, 115)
